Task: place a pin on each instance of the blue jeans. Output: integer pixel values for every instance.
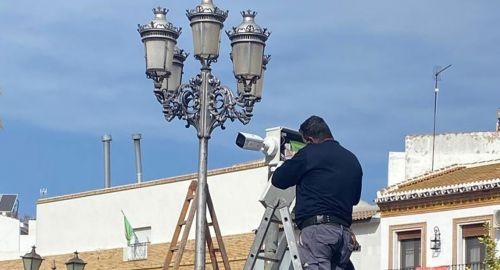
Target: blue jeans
(325, 247)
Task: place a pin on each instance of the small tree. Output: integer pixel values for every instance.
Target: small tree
(491, 261)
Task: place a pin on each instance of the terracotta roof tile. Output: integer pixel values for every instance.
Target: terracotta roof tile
(454, 176)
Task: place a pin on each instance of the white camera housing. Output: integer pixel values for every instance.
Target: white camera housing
(269, 146)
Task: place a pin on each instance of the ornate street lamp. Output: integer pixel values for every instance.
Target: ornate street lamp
(203, 102)
(75, 263)
(31, 260)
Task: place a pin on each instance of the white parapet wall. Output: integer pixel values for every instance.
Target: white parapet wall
(450, 149)
(93, 220)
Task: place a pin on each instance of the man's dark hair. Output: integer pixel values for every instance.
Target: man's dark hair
(315, 127)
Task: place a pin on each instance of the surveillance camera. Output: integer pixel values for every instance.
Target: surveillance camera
(249, 141)
(269, 146)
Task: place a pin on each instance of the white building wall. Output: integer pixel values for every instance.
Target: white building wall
(442, 219)
(450, 149)
(368, 235)
(396, 168)
(9, 238)
(27, 241)
(95, 221)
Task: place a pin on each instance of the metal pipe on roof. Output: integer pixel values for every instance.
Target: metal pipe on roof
(138, 162)
(106, 140)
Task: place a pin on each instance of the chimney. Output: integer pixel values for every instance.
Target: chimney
(106, 141)
(138, 162)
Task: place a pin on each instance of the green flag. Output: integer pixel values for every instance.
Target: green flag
(129, 231)
(295, 146)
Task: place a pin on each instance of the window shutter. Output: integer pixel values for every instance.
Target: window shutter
(407, 235)
(473, 230)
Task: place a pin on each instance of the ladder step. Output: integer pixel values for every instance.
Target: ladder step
(189, 198)
(174, 248)
(210, 224)
(182, 223)
(267, 259)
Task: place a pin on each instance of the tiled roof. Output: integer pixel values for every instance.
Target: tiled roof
(450, 180)
(7, 203)
(364, 211)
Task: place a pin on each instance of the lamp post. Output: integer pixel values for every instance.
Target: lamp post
(203, 102)
(438, 70)
(31, 260)
(75, 263)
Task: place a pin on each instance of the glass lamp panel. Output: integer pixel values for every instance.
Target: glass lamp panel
(257, 87)
(174, 80)
(169, 54)
(27, 263)
(247, 59)
(156, 56)
(36, 264)
(75, 266)
(206, 39)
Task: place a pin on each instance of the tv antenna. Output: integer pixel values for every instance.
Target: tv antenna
(437, 71)
(43, 192)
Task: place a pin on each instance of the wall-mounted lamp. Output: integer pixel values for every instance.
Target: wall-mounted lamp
(436, 242)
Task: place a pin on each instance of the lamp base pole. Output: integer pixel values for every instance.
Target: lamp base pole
(203, 135)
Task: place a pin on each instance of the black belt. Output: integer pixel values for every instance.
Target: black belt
(322, 219)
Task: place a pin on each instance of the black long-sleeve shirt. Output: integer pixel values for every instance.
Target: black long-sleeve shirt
(327, 178)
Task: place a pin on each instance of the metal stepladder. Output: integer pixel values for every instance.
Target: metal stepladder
(277, 203)
(177, 247)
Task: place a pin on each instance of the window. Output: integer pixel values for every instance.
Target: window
(474, 251)
(409, 249)
(142, 235)
(138, 247)
(467, 250)
(406, 246)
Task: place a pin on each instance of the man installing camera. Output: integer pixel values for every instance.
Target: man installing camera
(328, 184)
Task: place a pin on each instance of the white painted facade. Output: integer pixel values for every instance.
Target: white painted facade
(93, 220)
(450, 149)
(12, 243)
(444, 221)
(368, 235)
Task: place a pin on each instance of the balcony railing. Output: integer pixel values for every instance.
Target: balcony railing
(136, 251)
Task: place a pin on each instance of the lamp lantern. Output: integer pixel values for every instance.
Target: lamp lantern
(31, 260)
(206, 22)
(257, 87)
(175, 79)
(248, 41)
(75, 263)
(159, 37)
(436, 241)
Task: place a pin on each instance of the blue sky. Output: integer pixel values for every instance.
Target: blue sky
(71, 71)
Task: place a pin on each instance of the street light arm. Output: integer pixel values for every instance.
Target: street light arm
(443, 69)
